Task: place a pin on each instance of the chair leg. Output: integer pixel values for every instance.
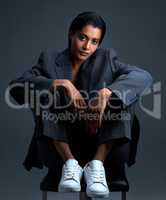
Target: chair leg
(123, 193)
(83, 196)
(44, 195)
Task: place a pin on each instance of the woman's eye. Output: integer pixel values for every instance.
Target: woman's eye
(81, 37)
(94, 42)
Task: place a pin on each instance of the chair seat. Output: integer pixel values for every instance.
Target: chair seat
(119, 185)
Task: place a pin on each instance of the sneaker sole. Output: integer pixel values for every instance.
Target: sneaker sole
(97, 195)
(60, 189)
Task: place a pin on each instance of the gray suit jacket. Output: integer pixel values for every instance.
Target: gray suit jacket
(102, 69)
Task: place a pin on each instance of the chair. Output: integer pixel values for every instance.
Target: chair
(49, 182)
(82, 194)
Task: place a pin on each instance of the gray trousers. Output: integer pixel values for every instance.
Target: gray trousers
(84, 146)
(116, 128)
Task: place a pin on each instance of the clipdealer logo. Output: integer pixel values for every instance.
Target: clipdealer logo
(155, 90)
(31, 96)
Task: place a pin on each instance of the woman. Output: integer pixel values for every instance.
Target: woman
(92, 81)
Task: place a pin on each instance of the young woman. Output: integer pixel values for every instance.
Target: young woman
(92, 81)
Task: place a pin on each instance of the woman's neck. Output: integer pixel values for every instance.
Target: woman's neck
(75, 62)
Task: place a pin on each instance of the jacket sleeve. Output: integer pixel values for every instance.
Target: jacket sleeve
(35, 77)
(129, 82)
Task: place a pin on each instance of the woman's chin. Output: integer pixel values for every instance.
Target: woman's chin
(82, 58)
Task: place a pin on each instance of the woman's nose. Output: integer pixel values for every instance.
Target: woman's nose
(86, 45)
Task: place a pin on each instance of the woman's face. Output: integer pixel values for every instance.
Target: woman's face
(85, 42)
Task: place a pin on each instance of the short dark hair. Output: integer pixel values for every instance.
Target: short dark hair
(87, 18)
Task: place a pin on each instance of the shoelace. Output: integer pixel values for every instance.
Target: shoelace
(97, 176)
(71, 173)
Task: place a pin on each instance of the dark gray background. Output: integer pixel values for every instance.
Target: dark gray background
(136, 29)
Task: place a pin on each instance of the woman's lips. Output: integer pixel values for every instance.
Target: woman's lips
(83, 53)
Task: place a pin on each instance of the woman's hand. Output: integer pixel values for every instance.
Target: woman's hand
(98, 106)
(100, 102)
(73, 93)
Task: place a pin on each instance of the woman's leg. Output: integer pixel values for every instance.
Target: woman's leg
(57, 127)
(116, 130)
(63, 150)
(102, 151)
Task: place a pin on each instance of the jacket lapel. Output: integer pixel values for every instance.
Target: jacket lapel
(96, 72)
(63, 68)
(63, 65)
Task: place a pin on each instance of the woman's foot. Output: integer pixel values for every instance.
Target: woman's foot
(94, 174)
(71, 176)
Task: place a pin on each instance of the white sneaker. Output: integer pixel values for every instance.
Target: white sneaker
(94, 174)
(71, 176)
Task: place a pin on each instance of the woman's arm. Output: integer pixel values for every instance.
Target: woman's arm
(130, 82)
